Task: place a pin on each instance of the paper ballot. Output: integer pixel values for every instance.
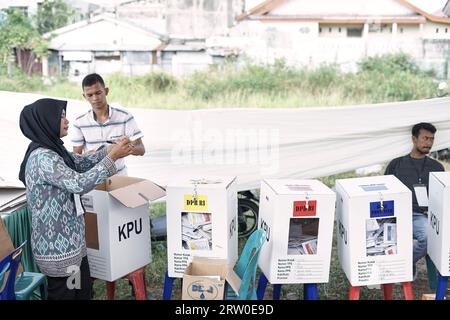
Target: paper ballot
(421, 195)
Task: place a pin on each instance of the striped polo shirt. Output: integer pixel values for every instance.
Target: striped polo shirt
(89, 133)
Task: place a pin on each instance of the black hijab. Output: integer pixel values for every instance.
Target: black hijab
(41, 123)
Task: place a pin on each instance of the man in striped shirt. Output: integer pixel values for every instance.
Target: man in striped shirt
(104, 123)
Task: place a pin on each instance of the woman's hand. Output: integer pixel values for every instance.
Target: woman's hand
(120, 148)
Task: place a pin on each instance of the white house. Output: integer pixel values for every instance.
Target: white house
(101, 44)
(312, 32)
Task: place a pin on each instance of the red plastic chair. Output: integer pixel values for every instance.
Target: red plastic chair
(387, 290)
(137, 279)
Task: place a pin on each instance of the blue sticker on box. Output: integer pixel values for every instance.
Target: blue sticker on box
(376, 211)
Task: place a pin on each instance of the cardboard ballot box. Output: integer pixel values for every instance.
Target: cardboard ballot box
(297, 216)
(118, 226)
(204, 279)
(201, 221)
(374, 230)
(438, 244)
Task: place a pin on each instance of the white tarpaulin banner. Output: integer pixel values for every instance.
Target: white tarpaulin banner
(252, 144)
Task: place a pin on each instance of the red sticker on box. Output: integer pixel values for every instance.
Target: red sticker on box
(305, 208)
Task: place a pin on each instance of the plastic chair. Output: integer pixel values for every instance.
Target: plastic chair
(310, 291)
(441, 286)
(9, 264)
(431, 272)
(168, 286)
(137, 279)
(28, 282)
(3, 274)
(353, 293)
(19, 287)
(246, 268)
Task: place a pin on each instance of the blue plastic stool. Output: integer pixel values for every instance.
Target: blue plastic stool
(309, 289)
(441, 286)
(168, 286)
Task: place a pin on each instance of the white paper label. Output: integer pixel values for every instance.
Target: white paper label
(78, 205)
(421, 195)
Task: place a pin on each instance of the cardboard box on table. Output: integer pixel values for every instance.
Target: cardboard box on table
(201, 221)
(438, 244)
(205, 278)
(118, 226)
(298, 217)
(374, 230)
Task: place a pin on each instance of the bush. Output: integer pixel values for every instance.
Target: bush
(119, 81)
(19, 81)
(389, 64)
(158, 81)
(379, 87)
(324, 77)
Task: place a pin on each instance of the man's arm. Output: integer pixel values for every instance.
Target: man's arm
(138, 147)
(78, 150)
(77, 138)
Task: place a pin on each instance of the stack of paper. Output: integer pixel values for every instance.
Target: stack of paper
(381, 237)
(196, 231)
(302, 244)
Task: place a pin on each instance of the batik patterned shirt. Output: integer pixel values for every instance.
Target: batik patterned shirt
(58, 233)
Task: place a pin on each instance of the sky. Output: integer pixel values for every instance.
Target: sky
(429, 5)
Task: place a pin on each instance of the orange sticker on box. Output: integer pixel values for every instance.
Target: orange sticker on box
(198, 204)
(302, 209)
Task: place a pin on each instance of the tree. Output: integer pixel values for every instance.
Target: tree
(18, 34)
(52, 15)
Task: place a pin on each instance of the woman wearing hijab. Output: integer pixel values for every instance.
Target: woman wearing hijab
(55, 178)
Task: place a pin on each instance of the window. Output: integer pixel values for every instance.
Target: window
(320, 30)
(340, 30)
(138, 57)
(437, 30)
(401, 30)
(354, 32)
(329, 29)
(446, 30)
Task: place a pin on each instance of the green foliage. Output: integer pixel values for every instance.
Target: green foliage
(158, 81)
(389, 64)
(52, 15)
(17, 33)
(391, 77)
(153, 82)
(324, 77)
(20, 82)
